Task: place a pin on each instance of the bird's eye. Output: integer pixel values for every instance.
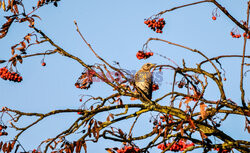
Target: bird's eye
(148, 64)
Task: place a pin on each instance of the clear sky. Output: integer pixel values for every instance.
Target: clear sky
(115, 29)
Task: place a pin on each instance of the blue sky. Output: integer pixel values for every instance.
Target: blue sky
(116, 31)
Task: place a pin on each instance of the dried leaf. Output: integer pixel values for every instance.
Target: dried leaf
(19, 58)
(14, 62)
(84, 146)
(191, 123)
(182, 131)
(2, 61)
(4, 147)
(3, 6)
(36, 16)
(111, 115)
(133, 98)
(108, 118)
(203, 135)
(188, 99)
(16, 9)
(179, 126)
(121, 132)
(203, 110)
(1, 144)
(180, 104)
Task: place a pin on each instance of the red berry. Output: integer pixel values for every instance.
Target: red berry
(43, 64)
(214, 18)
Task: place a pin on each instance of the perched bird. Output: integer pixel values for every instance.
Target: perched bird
(144, 80)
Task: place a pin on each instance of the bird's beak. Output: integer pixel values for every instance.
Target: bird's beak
(153, 66)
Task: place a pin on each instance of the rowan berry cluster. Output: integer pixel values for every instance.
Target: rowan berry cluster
(156, 24)
(246, 35)
(11, 76)
(235, 35)
(143, 55)
(158, 124)
(85, 80)
(155, 87)
(177, 146)
(2, 133)
(127, 149)
(222, 150)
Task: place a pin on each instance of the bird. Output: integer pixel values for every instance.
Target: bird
(144, 80)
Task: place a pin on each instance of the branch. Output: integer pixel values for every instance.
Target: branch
(242, 64)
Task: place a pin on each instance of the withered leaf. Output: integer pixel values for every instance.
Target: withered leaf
(20, 59)
(1, 144)
(2, 61)
(4, 147)
(203, 110)
(120, 132)
(14, 62)
(36, 16)
(84, 146)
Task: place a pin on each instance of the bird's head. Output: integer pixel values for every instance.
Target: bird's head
(148, 66)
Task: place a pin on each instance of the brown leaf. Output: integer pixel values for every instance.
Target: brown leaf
(14, 62)
(78, 146)
(179, 126)
(121, 132)
(180, 104)
(20, 59)
(188, 99)
(84, 146)
(36, 16)
(4, 147)
(203, 135)
(191, 123)
(22, 48)
(5, 27)
(23, 44)
(1, 144)
(203, 110)
(133, 98)
(182, 131)
(108, 118)
(16, 9)
(111, 115)
(2, 61)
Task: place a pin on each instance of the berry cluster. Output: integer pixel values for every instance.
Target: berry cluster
(158, 124)
(222, 150)
(155, 87)
(169, 119)
(246, 35)
(11, 76)
(143, 55)
(85, 80)
(235, 35)
(156, 24)
(2, 133)
(177, 146)
(127, 149)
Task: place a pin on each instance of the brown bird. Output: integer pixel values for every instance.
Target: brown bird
(144, 80)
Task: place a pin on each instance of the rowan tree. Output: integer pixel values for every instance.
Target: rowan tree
(185, 117)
